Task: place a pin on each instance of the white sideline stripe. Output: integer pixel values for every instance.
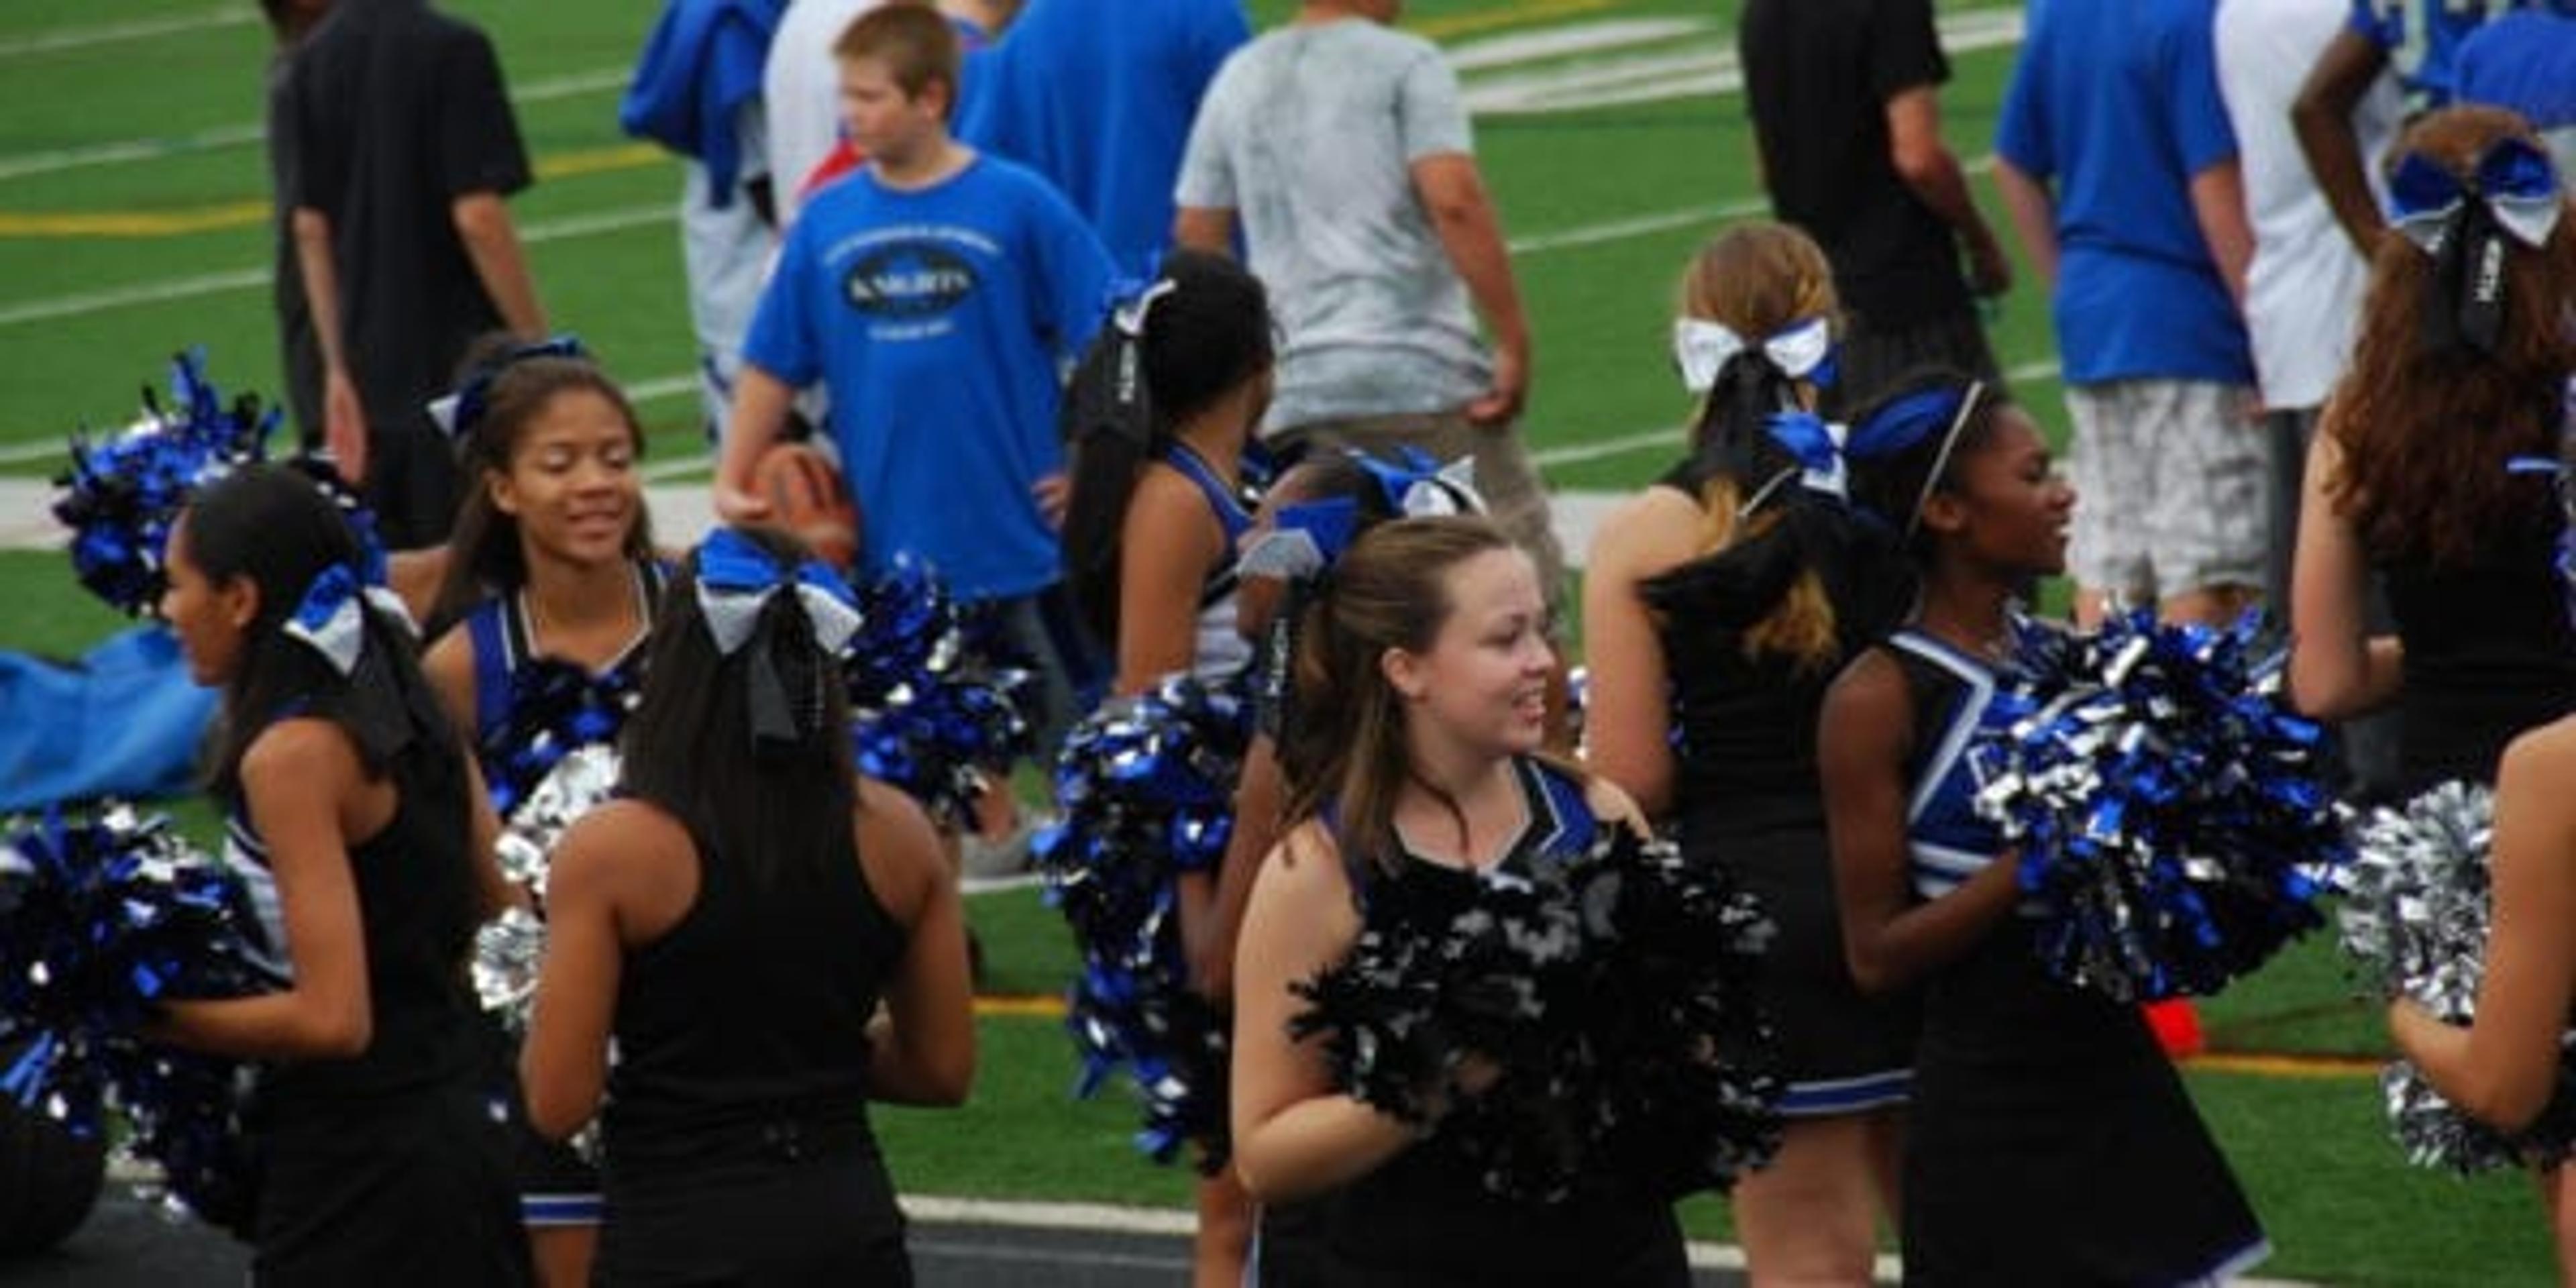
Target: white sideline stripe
(220, 137)
(1579, 38)
(108, 33)
(66, 306)
(1696, 73)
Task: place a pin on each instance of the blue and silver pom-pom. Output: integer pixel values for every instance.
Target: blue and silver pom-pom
(936, 707)
(2414, 921)
(557, 708)
(1604, 1004)
(1147, 788)
(2171, 810)
(102, 919)
(124, 490)
(509, 948)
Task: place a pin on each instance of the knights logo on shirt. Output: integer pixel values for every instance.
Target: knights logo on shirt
(908, 280)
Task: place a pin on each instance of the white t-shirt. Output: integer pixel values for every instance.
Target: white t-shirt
(801, 86)
(2303, 293)
(1309, 135)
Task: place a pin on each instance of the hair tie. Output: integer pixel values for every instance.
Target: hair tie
(457, 413)
(1803, 350)
(1303, 540)
(331, 618)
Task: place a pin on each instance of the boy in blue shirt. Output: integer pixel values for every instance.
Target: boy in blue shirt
(2115, 157)
(933, 293)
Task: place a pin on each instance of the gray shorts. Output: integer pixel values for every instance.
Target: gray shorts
(1505, 478)
(2171, 486)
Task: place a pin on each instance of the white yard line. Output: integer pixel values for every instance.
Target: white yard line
(218, 138)
(109, 33)
(1560, 42)
(1700, 64)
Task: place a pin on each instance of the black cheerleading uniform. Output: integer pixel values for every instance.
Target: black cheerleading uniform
(557, 1186)
(391, 1167)
(1746, 793)
(1424, 1218)
(2049, 1142)
(2489, 651)
(736, 1144)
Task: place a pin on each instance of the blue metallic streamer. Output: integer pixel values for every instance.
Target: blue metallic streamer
(2170, 809)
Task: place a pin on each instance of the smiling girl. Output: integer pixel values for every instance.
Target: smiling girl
(2048, 1139)
(550, 584)
(1414, 758)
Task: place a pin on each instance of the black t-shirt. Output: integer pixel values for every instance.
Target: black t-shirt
(395, 111)
(1818, 75)
(297, 347)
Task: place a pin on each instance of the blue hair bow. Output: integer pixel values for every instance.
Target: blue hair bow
(1303, 540)
(2514, 180)
(1823, 449)
(331, 618)
(1803, 350)
(736, 578)
(1418, 487)
(457, 413)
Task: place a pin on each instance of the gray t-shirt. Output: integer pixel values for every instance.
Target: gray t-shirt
(1309, 134)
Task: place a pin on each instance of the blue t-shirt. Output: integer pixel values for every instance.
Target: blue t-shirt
(1097, 96)
(937, 318)
(2118, 105)
(2422, 48)
(2525, 61)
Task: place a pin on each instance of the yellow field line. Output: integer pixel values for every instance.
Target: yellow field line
(2286, 1066)
(245, 214)
(1043, 1006)
(1050, 1007)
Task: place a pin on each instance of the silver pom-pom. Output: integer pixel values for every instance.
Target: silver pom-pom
(2414, 919)
(508, 949)
(583, 778)
(507, 952)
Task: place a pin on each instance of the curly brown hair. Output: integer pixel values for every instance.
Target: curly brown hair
(2426, 431)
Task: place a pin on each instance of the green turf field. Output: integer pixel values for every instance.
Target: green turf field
(133, 222)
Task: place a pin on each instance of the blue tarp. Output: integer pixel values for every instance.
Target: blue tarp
(124, 721)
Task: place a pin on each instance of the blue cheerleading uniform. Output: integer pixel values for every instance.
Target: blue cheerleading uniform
(557, 1187)
(2049, 1140)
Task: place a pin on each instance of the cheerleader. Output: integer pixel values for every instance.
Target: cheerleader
(2462, 365)
(2458, 371)
(769, 941)
(1413, 759)
(358, 821)
(2048, 1139)
(1159, 502)
(550, 582)
(1723, 600)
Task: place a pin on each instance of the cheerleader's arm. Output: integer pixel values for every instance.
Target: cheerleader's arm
(2502, 1068)
(2336, 669)
(1890, 940)
(303, 783)
(1296, 1134)
(921, 1046)
(1628, 712)
(563, 1065)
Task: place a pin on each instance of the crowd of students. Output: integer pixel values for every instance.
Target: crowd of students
(1790, 635)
